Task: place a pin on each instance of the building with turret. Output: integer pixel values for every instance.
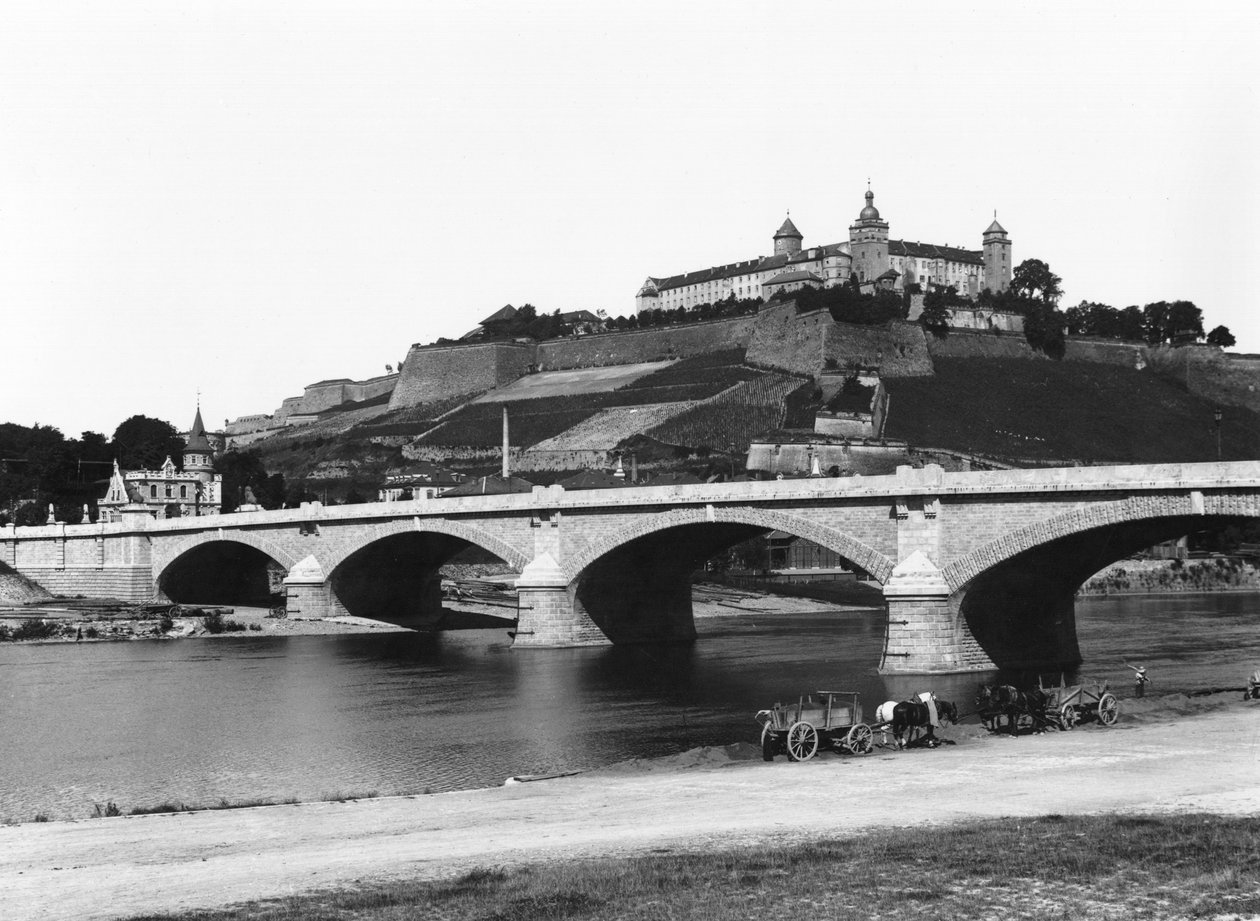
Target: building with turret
(168, 492)
(868, 256)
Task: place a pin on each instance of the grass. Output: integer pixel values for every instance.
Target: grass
(1051, 410)
(174, 806)
(1131, 867)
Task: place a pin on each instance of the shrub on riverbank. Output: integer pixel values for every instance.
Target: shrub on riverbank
(216, 623)
(1173, 576)
(1051, 867)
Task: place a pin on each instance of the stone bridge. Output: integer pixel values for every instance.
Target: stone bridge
(978, 569)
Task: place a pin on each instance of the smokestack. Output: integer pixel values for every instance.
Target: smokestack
(506, 444)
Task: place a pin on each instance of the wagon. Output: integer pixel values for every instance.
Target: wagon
(1067, 705)
(832, 720)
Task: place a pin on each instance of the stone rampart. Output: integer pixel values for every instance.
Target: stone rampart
(633, 346)
(434, 373)
(963, 343)
(897, 349)
(1122, 352)
(789, 341)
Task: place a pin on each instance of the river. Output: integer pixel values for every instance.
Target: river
(197, 721)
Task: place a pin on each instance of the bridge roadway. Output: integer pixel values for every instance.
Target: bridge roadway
(978, 569)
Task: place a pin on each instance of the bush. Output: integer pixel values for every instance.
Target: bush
(216, 623)
(166, 623)
(37, 630)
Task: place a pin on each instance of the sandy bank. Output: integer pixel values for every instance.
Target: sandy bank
(1183, 754)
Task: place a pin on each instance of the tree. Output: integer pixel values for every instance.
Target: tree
(244, 469)
(1221, 336)
(1033, 279)
(144, 443)
(1179, 321)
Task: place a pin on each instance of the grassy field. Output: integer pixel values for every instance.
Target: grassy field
(1050, 410)
(1055, 867)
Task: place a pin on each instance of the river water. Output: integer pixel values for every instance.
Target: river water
(146, 722)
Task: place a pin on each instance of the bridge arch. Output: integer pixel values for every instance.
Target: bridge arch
(219, 567)
(864, 556)
(635, 585)
(1134, 509)
(513, 556)
(1016, 595)
(392, 570)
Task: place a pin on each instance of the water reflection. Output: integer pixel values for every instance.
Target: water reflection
(144, 722)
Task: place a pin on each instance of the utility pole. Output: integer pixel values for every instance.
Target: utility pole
(1216, 415)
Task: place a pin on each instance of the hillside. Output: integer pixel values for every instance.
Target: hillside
(688, 414)
(1043, 411)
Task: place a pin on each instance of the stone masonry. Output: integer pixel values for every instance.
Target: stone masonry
(978, 568)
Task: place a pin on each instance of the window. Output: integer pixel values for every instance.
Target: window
(152, 490)
(169, 491)
(183, 491)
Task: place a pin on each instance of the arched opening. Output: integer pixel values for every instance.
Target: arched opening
(398, 579)
(1022, 611)
(224, 572)
(641, 591)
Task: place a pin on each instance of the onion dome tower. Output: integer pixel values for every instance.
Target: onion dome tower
(868, 241)
(787, 239)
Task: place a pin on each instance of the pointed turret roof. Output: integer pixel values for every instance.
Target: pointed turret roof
(788, 230)
(197, 440)
(995, 227)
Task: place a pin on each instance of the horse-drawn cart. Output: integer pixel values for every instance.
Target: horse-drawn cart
(798, 730)
(1068, 705)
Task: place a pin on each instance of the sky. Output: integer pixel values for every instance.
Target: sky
(227, 201)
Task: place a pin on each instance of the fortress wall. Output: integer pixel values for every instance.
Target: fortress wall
(783, 339)
(358, 391)
(1207, 371)
(434, 373)
(961, 343)
(899, 349)
(1106, 351)
(633, 346)
(322, 395)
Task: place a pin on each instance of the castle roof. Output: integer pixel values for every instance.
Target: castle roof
(777, 262)
(784, 278)
(197, 440)
(995, 227)
(503, 313)
(788, 230)
(932, 251)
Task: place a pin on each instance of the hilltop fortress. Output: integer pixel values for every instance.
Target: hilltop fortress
(869, 257)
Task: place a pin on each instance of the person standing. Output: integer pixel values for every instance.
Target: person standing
(1140, 680)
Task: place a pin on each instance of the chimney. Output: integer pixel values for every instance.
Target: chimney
(506, 445)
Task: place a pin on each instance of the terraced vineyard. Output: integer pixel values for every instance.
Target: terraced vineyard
(533, 421)
(735, 416)
(609, 427)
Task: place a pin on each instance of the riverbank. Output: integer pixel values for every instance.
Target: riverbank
(1166, 756)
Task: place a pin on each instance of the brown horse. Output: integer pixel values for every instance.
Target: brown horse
(910, 716)
(1026, 708)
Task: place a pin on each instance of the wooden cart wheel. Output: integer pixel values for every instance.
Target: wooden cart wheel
(1068, 717)
(860, 739)
(802, 741)
(1108, 710)
(769, 744)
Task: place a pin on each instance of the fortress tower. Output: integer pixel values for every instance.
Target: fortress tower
(868, 242)
(787, 239)
(997, 258)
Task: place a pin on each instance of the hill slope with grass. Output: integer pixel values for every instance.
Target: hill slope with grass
(1045, 411)
(1023, 411)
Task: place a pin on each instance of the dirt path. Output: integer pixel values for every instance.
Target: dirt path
(1207, 759)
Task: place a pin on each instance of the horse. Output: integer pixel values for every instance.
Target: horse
(910, 716)
(1003, 700)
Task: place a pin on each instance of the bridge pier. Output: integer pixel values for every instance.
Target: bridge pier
(926, 634)
(547, 614)
(307, 594)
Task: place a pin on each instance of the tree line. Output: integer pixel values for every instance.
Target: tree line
(39, 466)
